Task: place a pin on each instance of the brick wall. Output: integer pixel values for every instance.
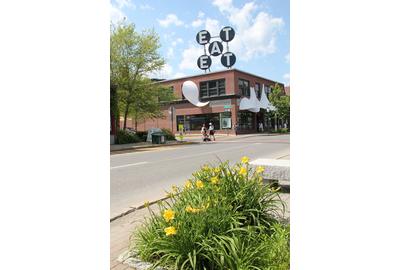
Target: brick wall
(186, 108)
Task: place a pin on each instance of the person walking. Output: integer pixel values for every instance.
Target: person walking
(212, 131)
(261, 127)
(204, 132)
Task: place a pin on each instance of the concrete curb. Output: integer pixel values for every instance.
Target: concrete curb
(133, 209)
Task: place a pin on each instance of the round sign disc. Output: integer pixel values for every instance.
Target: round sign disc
(228, 59)
(215, 48)
(203, 37)
(204, 62)
(227, 33)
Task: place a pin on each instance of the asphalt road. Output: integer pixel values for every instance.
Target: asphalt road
(145, 175)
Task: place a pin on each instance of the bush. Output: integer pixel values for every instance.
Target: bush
(168, 134)
(124, 136)
(142, 135)
(223, 218)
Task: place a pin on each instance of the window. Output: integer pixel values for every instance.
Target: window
(258, 90)
(212, 88)
(195, 122)
(244, 88)
(245, 120)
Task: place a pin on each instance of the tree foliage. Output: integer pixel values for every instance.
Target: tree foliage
(133, 56)
(280, 101)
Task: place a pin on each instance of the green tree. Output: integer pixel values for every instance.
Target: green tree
(281, 102)
(149, 100)
(133, 55)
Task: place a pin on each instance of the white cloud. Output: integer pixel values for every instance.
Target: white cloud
(197, 22)
(146, 7)
(201, 14)
(125, 3)
(177, 41)
(286, 77)
(116, 14)
(190, 56)
(178, 75)
(170, 53)
(170, 19)
(287, 58)
(212, 26)
(255, 32)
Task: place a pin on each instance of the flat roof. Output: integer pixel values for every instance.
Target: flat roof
(219, 71)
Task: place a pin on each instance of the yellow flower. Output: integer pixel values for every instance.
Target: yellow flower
(188, 184)
(260, 169)
(205, 168)
(243, 171)
(214, 180)
(169, 215)
(146, 204)
(199, 184)
(245, 160)
(217, 170)
(170, 231)
(192, 210)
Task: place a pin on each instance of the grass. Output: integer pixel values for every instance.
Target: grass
(224, 217)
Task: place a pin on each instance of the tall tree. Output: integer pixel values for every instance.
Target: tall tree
(133, 55)
(281, 102)
(148, 100)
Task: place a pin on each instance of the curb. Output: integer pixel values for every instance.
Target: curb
(133, 209)
(151, 146)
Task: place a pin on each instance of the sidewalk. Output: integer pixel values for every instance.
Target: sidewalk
(187, 139)
(143, 145)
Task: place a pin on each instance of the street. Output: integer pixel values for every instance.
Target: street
(142, 176)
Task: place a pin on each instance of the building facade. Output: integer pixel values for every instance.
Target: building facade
(224, 91)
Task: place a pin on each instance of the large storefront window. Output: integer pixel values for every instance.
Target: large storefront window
(246, 120)
(195, 122)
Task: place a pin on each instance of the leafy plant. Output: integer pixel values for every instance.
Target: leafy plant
(142, 135)
(168, 134)
(224, 217)
(124, 136)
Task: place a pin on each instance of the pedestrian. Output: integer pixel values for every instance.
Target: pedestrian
(261, 127)
(212, 131)
(235, 128)
(204, 133)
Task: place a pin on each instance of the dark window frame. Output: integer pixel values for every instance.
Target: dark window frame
(244, 92)
(220, 88)
(259, 90)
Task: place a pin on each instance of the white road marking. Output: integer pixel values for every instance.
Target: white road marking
(128, 165)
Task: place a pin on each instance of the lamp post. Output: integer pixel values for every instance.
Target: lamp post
(172, 112)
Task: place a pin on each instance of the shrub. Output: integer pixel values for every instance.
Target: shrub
(168, 134)
(222, 218)
(124, 136)
(142, 135)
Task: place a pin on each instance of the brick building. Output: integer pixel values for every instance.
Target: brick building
(224, 90)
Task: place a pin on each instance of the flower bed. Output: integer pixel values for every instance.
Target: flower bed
(224, 217)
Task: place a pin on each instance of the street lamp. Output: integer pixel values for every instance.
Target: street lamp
(172, 112)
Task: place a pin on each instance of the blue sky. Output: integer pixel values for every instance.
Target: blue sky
(261, 44)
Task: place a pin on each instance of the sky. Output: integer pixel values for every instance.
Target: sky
(261, 43)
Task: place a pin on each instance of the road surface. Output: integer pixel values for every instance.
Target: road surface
(142, 176)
